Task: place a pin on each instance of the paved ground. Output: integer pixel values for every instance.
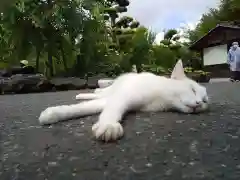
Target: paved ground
(161, 146)
(213, 80)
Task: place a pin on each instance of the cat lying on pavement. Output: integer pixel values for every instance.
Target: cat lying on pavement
(132, 92)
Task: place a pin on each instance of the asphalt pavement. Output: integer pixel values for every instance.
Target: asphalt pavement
(156, 146)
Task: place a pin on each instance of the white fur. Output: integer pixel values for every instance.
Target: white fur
(64, 112)
(86, 96)
(133, 92)
(102, 83)
(98, 93)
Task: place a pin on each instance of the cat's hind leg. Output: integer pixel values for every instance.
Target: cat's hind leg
(102, 83)
(98, 93)
(87, 96)
(97, 90)
(65, 112)
(103, 90)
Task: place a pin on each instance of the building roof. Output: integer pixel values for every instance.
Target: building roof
(204, 41)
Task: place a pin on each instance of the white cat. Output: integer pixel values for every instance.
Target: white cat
(133, 92)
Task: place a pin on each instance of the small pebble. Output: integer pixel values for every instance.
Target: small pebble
(180, 121)
(168, 172)
(191, 163)
(138, 133)
(223, 165)
(193, 129)
(52, 163)
(149, 165)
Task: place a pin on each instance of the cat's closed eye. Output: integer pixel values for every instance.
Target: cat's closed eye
(193, 90)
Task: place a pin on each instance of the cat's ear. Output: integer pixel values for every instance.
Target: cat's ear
(178, 71)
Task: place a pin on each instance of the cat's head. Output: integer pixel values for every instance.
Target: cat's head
(192, 96)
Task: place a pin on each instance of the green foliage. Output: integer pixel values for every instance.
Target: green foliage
(79, 37)
(201, 72)
(140, 46)
(188, 69)
(163, 56)
(227, 12)
(153, 68)
(170, 34)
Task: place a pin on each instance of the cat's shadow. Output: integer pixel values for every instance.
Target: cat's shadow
(131, 114)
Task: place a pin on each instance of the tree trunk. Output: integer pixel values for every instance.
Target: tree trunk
(37, 59)
(138, 67)
(50, 62)
(64, 59)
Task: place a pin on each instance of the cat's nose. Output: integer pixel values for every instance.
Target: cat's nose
(205, 100)
(198, 102)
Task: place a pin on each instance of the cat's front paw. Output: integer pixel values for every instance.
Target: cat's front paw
(48, 116)
(107, 131)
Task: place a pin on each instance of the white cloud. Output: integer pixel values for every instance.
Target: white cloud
(159, 37)
(165, 14)
(181, 32)
(160, 15)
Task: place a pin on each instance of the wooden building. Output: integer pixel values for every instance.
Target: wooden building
(214, 47)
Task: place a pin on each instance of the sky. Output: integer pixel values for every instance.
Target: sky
(166, 14)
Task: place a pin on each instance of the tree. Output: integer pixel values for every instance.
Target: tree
(83, 37)
(52, 28)
(170, 36)
(228, 11)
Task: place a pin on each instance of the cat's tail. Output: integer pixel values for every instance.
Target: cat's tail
(64, 112)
